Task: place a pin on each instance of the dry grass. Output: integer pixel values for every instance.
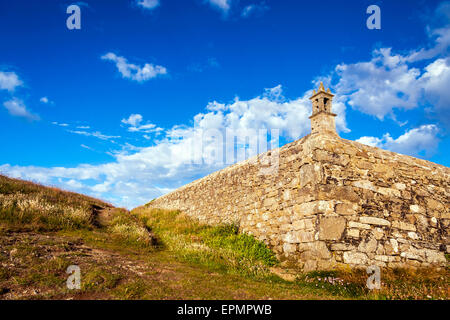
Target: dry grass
(27, 204)
(129, 230)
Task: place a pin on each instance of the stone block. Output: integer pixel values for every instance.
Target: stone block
(342, 247)
(435, 257)
(354, 233)
(314, 250)
(331, 228)
(375, 221)
(289, 248)
(310, 174)
(368, 246)
(357, 225)
(347, 208)
(357, 258)
(314, 207)
(403, 226)
(415, 208)
(298, 237)
(298, 224)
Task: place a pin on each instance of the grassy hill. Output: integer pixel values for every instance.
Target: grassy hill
(156, 254)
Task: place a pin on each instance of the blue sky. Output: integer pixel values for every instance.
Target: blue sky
(110, 109)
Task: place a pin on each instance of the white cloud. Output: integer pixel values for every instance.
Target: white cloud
(86, 147)
(436, 84)
(371, 141)
(132, 71)
(441, 38)
(17, 108)
(73, 184)
(137, 177)
(413, 142)
(392, 81)
(253, 9)
(135, 123)
(9, 81)
(95, 134)
(379, 86)
(45, 100)
(223, 5)
(133, 120)
(148, 4)
(60, 124)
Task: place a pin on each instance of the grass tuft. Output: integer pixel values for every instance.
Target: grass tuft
(221, 248)
(129, 230)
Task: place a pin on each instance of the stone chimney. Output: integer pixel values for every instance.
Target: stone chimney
(322, 119)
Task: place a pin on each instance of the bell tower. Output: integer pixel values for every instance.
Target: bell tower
(322, 119)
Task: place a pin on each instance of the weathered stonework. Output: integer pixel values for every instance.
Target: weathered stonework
(332, 202)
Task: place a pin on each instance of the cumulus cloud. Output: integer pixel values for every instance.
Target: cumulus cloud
(133, 120)
(132, 71)
(439, 31)
(185, 152)
(135, 124)
(436, 84)
(17, 108)
(441, 38)
(390, 82)
(380, 85)
(414, 142)
(9, 81)
(45, 100)
(148, 4)
(223, 5)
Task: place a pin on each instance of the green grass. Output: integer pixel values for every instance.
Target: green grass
(220, 248)
(99, 280)
(132, 290)
(228, 237)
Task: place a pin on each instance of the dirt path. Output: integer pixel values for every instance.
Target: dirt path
(102, 215)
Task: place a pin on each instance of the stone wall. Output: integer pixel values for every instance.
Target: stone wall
(332, 202)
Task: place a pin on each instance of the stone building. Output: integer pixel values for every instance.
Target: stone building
(332, 202)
